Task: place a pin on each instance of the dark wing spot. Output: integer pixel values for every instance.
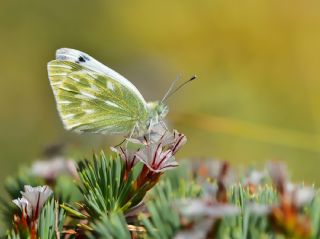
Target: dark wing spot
(81, 59)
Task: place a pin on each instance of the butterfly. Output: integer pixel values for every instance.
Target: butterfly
(91, 97)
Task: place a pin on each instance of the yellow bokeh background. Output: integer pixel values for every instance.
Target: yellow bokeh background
(258, 66)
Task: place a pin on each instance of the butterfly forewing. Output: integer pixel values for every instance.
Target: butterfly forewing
(58, 70)
(90, 101)
(83, 59)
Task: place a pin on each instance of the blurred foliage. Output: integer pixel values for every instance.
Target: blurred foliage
(257, 62)
(187, 201)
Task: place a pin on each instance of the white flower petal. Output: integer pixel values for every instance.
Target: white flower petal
(24, 206)
(195, 208)
(259, 209)
(36, 196)
(303, 195)
(50, 169)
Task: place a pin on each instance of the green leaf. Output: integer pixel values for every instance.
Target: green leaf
(104, 188)
(73, 211)
(112, 226)
(51, 221)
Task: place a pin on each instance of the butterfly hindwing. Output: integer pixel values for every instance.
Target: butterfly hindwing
(90, 101)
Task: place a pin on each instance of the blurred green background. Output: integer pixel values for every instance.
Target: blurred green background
(258, 63)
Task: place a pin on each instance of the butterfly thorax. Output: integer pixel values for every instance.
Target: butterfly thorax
(157, 111)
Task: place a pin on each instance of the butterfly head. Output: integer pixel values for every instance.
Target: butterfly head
(158, 110)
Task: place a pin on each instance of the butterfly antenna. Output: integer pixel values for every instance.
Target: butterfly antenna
(170, 88)
(170, 93)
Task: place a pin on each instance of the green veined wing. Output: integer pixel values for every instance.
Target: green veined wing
(90, 101)
(58, 71)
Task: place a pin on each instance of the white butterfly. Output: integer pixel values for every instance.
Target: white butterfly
(91, 97)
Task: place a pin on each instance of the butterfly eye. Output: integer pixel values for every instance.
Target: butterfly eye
(162, 110)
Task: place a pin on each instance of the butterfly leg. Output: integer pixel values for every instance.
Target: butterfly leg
(119, 143)
(125, 139)
(163, 124)
(132, 132)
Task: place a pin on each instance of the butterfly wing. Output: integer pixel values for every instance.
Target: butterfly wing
(90, 101)
(83, 59)
(58, 71)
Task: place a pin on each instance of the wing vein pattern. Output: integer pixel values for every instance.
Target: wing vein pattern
(93, 101)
